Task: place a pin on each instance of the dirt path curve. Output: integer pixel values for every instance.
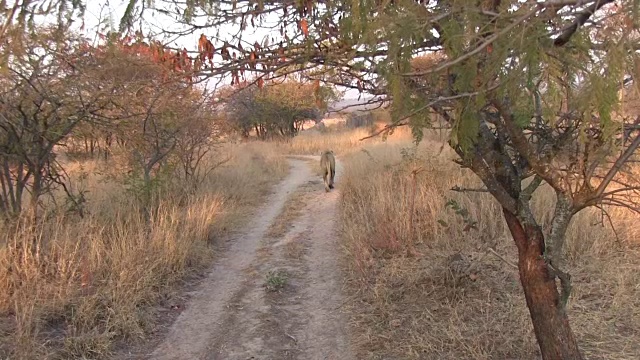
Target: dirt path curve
(233, 315)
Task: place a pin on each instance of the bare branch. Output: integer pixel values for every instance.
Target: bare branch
(383, 130)
(514, 266)
(617, 166)
(460, 189)
(433, 103)
(605, 215)
(531, 188)
(582, 18)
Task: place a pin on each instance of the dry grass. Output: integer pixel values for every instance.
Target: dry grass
(290, 212)
(292, 209)
(71, 287)
(294, 249)
(441, 305)
(341, 141)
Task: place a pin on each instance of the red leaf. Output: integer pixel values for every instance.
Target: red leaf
(252, 60)
(304, 26)
(202, 43)
(205, 48)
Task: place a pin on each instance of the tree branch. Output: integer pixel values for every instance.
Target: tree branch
(460, 189)
(476, 50)
(582, 18)
(531, 188)
(617, 166)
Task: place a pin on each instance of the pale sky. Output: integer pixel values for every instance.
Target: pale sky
(98, 11)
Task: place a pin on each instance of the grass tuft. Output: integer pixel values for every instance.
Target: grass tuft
(276, 280)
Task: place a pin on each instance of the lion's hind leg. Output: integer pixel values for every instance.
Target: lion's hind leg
(331, 181)
(325, 176)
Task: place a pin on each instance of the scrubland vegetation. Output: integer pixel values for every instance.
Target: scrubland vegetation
(115, 181)
(433, 272)
(72, 286)
(538, 99)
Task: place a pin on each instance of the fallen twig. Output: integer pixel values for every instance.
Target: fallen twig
(291, 336)
(503, 259)
(459, 189)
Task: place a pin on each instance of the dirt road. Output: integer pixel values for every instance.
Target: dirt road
(271, 297)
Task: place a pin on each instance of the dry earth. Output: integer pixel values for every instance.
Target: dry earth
(271, 297)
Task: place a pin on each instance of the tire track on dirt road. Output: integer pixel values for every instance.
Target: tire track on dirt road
(325, 336)
(233, 317)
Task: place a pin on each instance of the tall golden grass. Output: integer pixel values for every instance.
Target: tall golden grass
(436, 288)
(341, 141)
(72, 287)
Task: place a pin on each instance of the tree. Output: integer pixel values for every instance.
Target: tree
(155, 114)
(43, 99)
(276, 108)
(198, 138)
(359, 119)
(21, 15)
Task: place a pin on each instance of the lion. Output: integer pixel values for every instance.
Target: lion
(328, 165)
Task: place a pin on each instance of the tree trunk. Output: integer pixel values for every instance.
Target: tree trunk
(10, 183)
(36, 191)
(4, 195)
(146, 193)
(550, 321)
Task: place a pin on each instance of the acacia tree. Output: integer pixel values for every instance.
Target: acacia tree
(528, 88)
(20, 15)
(198, 137)
(43, 98)
(158, 119)
(277, 108)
